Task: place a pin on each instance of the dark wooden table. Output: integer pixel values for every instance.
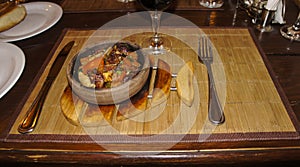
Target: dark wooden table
(283, 55)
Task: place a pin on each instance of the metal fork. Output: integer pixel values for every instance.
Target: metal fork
(215, 111)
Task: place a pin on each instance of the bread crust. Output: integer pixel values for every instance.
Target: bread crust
(184, 83)
(12, 17)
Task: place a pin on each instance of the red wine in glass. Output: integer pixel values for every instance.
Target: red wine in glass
(159, 5)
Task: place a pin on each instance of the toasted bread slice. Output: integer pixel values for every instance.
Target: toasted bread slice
(162, 82)
(12, 17)
(135, 105)
(184, 83)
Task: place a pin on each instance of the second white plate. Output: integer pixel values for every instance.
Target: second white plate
(12, 62)
(40, 17)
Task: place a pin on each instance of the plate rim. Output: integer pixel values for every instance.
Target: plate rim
(19, 58)
(55, 19)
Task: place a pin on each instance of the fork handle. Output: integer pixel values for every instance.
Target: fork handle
(215, 113)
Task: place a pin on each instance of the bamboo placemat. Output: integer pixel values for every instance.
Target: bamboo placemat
(113, 5)
(254, 105)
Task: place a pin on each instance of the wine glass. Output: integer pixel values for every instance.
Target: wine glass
(155, 7)
(292, 32)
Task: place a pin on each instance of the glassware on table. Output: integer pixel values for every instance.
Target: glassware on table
(155, 7)
(292, 32)
(211, 3)
(265, 22)
(126, 3)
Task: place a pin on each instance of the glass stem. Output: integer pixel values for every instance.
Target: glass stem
(155, 18)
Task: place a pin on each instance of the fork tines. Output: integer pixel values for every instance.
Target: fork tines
(205, 49)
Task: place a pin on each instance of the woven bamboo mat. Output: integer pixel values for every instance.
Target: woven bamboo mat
(113, 5)
(252, 101)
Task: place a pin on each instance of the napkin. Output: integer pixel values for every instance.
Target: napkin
(279, 7)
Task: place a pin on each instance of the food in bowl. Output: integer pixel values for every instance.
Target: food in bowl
(108, 73)
(109, 68)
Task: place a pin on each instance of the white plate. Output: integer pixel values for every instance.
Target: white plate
(12, 62)
(40, 17)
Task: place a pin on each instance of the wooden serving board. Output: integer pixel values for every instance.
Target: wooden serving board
(79, 112)
(254, 105)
